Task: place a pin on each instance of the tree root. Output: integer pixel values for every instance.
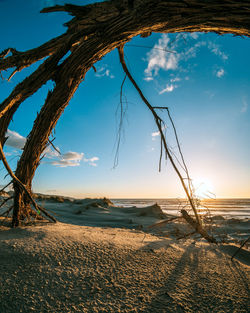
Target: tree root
(198, 227)
(23, 187)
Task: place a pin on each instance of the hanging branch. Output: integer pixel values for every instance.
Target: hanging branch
(7, 212)
(195, 224)
(120, 124)
(5, 186)
(3, 158)
(51, 142)
(241, 246)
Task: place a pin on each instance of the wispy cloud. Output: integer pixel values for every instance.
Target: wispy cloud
(157, 133)
(104, 72)
(220, 73)
(244, 106)
(194, 35)
(216, 49)
(67, 159)
(92, 161)
(15, 140)
(191, 52)
(158, 58)
(148, 79)
(175, 79)
(169, 88)
(73, 159)
(65, 163)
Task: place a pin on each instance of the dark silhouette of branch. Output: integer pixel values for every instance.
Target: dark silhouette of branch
(195, 224)
(5, 185)
(5, 201)
(120, 124)
(241, 246)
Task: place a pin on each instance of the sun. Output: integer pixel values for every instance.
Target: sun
(203, 188)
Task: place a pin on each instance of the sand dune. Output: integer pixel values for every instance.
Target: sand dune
(102, 258)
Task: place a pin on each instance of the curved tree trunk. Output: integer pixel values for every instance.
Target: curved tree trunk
(36, 143)
(94, 31)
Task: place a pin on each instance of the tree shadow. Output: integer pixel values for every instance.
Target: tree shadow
(196, 284)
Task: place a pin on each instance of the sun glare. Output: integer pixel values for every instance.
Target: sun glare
(203, 188)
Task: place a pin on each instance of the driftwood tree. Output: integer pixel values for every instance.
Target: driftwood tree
(94, 31)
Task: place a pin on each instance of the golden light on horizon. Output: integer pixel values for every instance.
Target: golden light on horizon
(203, 188)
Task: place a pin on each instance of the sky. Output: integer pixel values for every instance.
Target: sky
(204, 81)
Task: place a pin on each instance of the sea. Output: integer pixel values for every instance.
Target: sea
(227, 208)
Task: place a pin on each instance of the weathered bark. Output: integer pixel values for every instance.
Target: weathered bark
(199, 229)
(94, 31)
(37, 140)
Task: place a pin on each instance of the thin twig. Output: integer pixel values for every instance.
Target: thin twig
(158, 123)
(186, 235)
(5, 186)
(7, 211)
(5, 201)
(195, 224)
(51, 142)
(13, 73)
(160, 157)
(164, 222)
(241, 246)
(181, 154)
(120, 124)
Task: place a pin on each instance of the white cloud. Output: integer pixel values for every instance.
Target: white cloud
(220, 73)
(192, 51)
(64, 163)
(69, 158)
(15, 140)
(155, 134)
(91, 161)
(51, 153)
(194, 35)
(169, 88)
(176, 79)
(158, 58)
(72, 156)
(217, 50)
(148, 78)
(244, 106)
(104, 71)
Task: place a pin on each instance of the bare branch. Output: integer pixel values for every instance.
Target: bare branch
(120, 124)
(33, 82)
(241, 246)
(25, 59)
(51, 142)
(5, 201)
(197, 227)
(197, 223)
(5, 186)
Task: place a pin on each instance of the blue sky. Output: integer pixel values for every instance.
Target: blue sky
(205, 83)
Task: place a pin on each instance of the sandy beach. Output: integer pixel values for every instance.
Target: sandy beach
(102, 258)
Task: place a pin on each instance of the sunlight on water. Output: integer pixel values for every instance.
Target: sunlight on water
(228, 208)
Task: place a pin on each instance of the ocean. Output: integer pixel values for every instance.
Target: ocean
(228, 208)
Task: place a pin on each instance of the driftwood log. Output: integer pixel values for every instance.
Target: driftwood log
(94, 31)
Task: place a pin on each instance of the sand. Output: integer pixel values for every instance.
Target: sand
(100, 258)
